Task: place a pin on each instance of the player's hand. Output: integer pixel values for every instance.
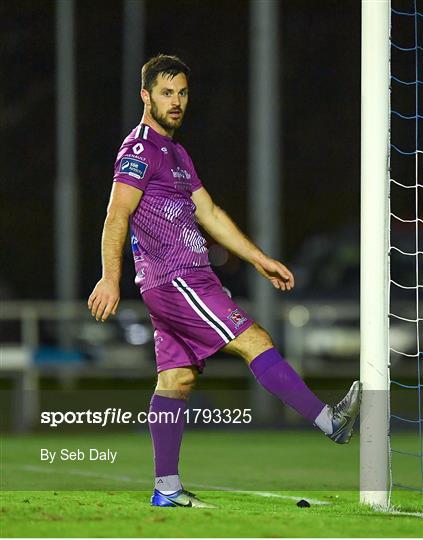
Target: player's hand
(104, 299)
(278, 274)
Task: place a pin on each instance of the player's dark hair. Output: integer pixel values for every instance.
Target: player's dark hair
(161, 64)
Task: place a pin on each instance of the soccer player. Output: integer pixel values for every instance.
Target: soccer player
(157, 192)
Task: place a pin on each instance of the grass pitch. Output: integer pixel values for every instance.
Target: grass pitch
(254, 478)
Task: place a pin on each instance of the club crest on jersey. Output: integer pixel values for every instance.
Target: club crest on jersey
(236, 317)
(133, 167)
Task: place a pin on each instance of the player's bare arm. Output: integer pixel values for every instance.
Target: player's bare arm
(225, 231)
(105, 297)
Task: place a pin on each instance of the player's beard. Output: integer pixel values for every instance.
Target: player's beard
(169, 124)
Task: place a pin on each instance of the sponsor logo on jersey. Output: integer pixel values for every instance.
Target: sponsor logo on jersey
(237, 318)
(138, 148)
(180, 173)
(133, 167)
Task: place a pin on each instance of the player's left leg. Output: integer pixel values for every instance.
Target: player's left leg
(275, 374)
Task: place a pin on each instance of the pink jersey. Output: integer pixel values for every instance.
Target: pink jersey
(166, 241)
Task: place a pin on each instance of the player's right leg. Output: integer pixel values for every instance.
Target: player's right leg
(166, 423)
(275, 374)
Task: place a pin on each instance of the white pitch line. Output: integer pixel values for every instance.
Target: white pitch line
(260, 493)
(399, 513)
(77, 472)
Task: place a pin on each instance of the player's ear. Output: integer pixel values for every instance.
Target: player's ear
(145, 96)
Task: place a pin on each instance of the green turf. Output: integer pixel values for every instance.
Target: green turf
(59, 500)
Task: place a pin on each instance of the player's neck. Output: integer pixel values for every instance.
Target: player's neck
(148, 120)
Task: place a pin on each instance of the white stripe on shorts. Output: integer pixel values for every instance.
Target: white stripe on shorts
(207, 309)
(209, 317)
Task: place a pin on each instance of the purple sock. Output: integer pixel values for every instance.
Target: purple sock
(167, 434)
(280, 379)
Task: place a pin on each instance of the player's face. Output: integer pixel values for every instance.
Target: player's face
(168, 101)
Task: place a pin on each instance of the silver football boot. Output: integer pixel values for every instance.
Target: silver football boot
(182, 498)
(344, 414)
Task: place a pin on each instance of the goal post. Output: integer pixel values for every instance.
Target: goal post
(374, 358)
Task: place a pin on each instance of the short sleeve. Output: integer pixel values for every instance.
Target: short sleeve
(195, 181)
(136, 164)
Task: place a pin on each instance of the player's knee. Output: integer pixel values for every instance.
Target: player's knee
(251, 343)
(185, 384)
(176, 383)
(259, 342)
(261, 336)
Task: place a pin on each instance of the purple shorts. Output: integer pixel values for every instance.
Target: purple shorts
(193, 317)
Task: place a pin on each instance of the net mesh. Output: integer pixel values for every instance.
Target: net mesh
(405, 243)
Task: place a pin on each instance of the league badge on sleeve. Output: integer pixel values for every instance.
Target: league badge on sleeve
(133, 167)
